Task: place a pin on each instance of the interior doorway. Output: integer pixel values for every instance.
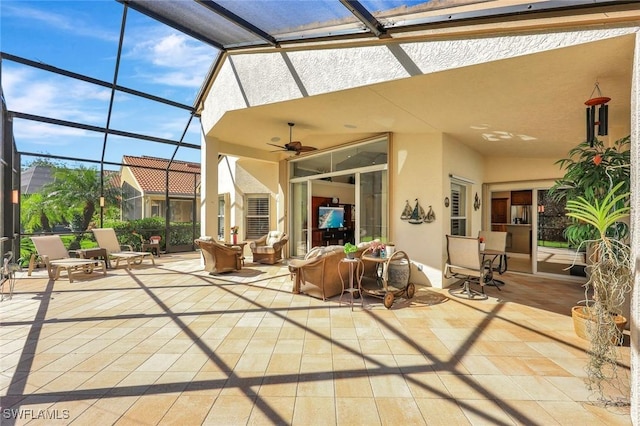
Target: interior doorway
(511, 212)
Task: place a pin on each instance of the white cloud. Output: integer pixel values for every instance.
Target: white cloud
(72, 23)
(48, 135)
(54, 96)
(177, 60)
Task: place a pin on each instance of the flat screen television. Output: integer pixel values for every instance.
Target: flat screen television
(330, 217)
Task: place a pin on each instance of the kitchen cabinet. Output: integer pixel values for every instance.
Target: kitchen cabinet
(521, 198)
(499, 210)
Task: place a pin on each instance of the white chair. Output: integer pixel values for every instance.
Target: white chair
(107, 239)
(56, 258)
(464, 261)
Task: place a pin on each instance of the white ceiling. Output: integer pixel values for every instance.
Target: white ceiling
(529, 106)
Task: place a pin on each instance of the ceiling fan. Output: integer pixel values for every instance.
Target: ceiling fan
(293, 146)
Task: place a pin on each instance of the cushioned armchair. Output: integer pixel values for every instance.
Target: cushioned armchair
(268, 249)
(218, 257)
(317, 274)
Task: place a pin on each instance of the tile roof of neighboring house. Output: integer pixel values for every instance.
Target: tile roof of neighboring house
(153, 181)
(112, 177)
(34, 178)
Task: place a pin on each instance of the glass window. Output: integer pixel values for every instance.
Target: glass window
(157, 208)
(458, 209)
(181, 211)
(366, 154)
(131, 202)
(257, 216)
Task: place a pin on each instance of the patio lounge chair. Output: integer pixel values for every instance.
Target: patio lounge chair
(464, 261)
(56, 258)
(107, 239)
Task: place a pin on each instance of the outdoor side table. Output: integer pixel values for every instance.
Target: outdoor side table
(153, 247)
(239, 244)
(356, 270)
(95, 253)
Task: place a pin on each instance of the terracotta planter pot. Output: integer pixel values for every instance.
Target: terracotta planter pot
(580, 316)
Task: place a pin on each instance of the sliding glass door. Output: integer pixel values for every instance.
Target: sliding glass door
(299, 219)
(353, 177)
(554, 254)
(373, 199)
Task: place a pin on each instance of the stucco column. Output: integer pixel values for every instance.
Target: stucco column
(635, 235)
(209, 187)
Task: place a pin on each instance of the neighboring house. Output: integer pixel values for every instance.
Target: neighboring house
(34, 178)
(144, 188)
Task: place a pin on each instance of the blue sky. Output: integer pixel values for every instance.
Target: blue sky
(82, 37)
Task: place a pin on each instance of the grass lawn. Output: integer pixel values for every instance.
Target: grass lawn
(554, 244)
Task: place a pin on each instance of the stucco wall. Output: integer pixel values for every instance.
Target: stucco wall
(239, 177)
(241, 83)
(500, 169)
(416, 172)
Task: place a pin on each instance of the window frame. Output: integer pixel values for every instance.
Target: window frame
(461, 212)
(249, 231)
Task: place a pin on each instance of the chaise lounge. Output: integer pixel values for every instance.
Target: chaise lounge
(107, 239)
(56, 258)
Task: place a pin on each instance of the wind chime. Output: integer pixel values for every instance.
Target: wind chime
(597, 104)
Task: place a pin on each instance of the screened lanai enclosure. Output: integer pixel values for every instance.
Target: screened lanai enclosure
(110, 93)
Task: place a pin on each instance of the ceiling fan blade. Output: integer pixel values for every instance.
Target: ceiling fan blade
(307, 148)
(279, 146)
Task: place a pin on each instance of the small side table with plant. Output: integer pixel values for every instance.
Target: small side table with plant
(350, 250)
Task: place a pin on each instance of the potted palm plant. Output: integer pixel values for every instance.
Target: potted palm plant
(590, 172)
(609, 272)
(596, 187)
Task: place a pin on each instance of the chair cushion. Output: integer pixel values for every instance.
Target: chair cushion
(263, 250)
(273, 237)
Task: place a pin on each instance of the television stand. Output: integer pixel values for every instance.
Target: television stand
(340, 237)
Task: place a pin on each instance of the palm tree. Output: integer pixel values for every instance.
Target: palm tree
(37, 212)
(79, 190)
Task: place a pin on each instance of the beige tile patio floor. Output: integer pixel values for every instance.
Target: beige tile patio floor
(173, 345)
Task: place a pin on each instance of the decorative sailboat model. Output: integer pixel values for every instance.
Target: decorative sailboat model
(406, 213)
(417, 214)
